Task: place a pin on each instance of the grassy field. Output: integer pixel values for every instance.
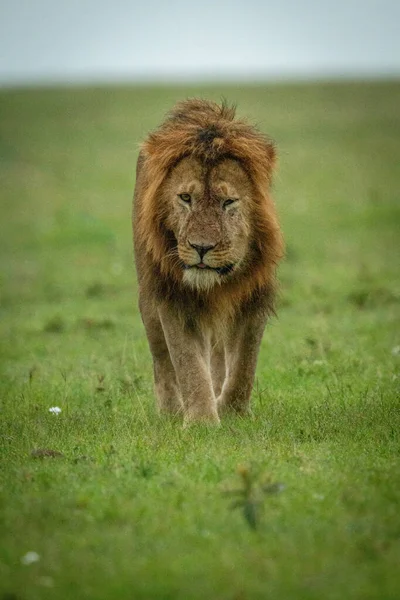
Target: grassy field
(118, 503)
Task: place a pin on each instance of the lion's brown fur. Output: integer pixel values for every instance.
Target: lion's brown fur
(210, 133)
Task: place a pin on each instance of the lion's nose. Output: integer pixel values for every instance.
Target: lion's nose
(202, 249)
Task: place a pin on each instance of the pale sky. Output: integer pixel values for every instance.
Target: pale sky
(94, 40)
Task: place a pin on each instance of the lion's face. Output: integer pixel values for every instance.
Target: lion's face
(209, 214)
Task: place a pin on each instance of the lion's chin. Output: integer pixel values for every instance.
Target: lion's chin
(202, 279)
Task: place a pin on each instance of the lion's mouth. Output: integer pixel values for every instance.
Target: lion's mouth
(225, 270)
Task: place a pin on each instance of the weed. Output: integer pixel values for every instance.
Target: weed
(250, 495)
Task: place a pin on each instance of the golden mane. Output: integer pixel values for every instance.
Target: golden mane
(209, 132)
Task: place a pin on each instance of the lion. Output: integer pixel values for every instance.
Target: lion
(207, 243)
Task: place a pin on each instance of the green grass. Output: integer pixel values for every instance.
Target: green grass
(136, 507)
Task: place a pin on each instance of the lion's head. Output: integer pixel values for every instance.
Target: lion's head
(204, 214)
(209, 213)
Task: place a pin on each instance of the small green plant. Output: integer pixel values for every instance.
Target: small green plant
(249, 497)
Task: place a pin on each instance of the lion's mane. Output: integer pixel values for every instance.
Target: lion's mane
(210, 133)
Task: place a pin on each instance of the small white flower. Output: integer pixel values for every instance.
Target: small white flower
(396, 350)
(30, 558)
(318, 497)
(55, 410)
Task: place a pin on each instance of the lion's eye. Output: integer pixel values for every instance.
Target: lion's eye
(186, 198)
(228, 202)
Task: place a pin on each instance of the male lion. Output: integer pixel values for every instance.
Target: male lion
(207, 243)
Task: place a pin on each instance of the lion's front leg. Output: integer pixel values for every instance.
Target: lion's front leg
(166, 388)
(189, 355)
(218, 366)
(242, 352)
(165, 384)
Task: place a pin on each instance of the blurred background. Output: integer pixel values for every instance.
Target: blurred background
(50, 41)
